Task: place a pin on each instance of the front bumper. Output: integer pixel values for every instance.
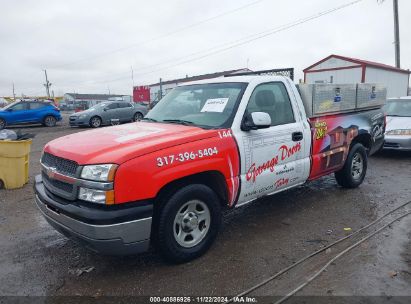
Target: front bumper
(122, 237)
(397, 142)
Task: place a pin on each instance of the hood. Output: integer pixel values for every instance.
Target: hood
(121, 143)
(88, 111)
(396, 122)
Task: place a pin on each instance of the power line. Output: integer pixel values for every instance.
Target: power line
(212, 51)
(140, 43)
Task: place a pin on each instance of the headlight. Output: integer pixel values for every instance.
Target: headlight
(82, 116)
(96, 196)
(100, 173)
(399, 132)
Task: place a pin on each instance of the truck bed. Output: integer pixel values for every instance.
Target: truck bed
(332, 136)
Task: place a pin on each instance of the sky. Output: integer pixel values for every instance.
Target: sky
(92, 46)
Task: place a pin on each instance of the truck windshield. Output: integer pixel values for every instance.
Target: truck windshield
(203, 105)
(398, 107)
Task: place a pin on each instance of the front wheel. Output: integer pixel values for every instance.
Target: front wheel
(138, 116)
(355, 168)
(50, 121)
(95, 122)
(188, 223)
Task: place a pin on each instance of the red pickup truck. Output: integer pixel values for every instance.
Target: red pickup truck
(204, 147)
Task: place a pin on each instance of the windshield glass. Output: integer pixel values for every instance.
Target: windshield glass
(205, 105)
(10, 105)
(99, 105)
(398, 107)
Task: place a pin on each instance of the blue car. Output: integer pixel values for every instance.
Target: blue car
(21, 112)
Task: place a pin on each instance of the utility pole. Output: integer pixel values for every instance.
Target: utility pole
(47, 84)
(14, 93)
(396, 34)
(160, 92)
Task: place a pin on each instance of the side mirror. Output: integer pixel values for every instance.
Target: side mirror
(9, 110)
(256, 120)
(105, 109)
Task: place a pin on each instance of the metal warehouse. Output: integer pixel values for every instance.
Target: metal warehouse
(340, 69)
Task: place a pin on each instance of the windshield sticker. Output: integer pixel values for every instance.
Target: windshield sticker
(215, 105)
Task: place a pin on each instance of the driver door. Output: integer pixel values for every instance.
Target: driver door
(274, 158)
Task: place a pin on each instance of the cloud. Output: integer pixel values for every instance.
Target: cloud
(89, 45)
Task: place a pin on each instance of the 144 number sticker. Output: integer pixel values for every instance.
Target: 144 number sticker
(185, 156)
(224, 134)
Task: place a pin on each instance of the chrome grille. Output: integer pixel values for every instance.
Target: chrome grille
(63, 166)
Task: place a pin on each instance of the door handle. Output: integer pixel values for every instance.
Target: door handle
(297, 136)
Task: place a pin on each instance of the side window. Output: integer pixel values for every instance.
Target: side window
(112, 106)
(35, 105)
(20, 106)
(272, 98)
(125, 105)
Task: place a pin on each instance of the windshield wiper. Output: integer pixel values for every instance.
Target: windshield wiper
(149, 119)
(179, 121)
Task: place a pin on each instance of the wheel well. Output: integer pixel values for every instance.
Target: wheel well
(364, 139)
(213, 179)
(48, 115)
(93, 117)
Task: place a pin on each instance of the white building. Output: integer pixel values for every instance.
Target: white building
(340, 69)
(167, 86)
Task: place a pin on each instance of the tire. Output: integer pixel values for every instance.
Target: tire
(49, 121)
(355, 168)
(2, 123)
(138, 116)
(95, 122)
(188, 223)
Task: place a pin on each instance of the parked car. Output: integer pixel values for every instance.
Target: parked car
(206, 146)
(103, 114)
(398, 131)
(35, 111)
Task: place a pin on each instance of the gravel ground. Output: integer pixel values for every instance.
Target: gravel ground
(256, 241)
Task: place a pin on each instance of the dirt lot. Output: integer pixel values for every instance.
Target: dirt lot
(255, 242)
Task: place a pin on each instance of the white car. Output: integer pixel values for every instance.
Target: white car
(398, 129)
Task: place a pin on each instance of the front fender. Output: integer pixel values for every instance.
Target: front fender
(142, 177)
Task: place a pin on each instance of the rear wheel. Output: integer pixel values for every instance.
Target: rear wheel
(138, 116)
(355, 168)
(2, 123)
(188, 223)
(50, 121)
(95, 122)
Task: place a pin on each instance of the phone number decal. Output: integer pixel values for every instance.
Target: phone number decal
(186, 156)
